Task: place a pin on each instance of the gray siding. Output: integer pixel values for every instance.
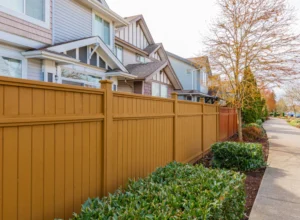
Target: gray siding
(34, 70)
(72, 21)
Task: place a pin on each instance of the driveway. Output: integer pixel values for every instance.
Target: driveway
(279, 194)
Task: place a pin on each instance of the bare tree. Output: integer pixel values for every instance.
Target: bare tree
(256, 34)
(292, 96)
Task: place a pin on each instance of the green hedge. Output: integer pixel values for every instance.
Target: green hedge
(238, 156)
(176, 191)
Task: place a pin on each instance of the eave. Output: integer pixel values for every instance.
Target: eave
(97, 6)
(41, 54)
(121, 74)
(130, 46)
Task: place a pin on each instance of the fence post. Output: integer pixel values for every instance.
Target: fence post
(218, 120)
(202, 100)
(175, 126)
(108, 157)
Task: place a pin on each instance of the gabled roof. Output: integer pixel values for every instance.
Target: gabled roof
(203, 62)
(143, 24)
(187, 61)
(70, 45)
(145, 71)
(152, 48)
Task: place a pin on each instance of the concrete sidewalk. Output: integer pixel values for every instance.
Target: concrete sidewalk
(279, 194)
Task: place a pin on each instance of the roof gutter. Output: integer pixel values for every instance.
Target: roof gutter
(40, 54)
(121, 74)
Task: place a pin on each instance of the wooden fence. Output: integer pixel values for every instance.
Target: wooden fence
(228, 123)
(61, 144)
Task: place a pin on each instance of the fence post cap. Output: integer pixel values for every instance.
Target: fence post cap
(217, 102)
(202, 100)
(174, 95)
(106, 84)
(106, 81)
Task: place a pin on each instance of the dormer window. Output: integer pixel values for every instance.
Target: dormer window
(102, 29)
(140, 58)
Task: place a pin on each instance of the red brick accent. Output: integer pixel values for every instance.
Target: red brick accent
(147, 88)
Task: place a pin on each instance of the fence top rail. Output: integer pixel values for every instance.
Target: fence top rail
(9, 81)
(138, 96)
(196, 103)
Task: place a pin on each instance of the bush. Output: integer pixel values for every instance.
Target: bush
(253, 133)
(259, 122)
(238, 156)
(176, 191)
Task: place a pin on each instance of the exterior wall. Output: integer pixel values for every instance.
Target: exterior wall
(72, 21)
(128, 57)
(125, 87)
(170, 90)
(20, 27)
(134, 35)
(148, 88)
(34, 69)
(138, 87)
(180, 69)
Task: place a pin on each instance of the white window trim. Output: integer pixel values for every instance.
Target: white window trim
(15, 55)
(94, 13)
(116, 52)
(44, 24)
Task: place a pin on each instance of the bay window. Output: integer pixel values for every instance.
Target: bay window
(102, 29)
(31, 8)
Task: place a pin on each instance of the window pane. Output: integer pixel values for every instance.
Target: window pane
(106, 38)
(155, 89)
(83, 54)
(119, 53)
(164, 91)
(10, 67)
(36, 9)
(16, 5)
(102, 63)
(98, 26)
(93, 60)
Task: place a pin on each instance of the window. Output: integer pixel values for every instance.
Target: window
(164, 91)
(119, 52)
(83, 54)
(72, 53)
(155, 89)
(159, 90)
(204, 79)
(102, 63)
(140, 58)
(102, 29)
(10, 67)
(31, 8)
(115, 87)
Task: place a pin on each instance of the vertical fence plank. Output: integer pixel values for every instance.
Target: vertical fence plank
(78, 166)
(24, 167)
(10, 173)
(1, 168)
(37, 171)
(49, 172)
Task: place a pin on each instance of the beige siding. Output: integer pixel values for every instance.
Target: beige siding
(34, 70)
(20, 27)
(125, 87)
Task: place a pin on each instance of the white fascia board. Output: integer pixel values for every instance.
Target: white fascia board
(20, 41)
(122, 74)
(97, 6)
(50, 56)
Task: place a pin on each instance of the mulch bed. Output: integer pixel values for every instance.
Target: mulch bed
(253, 179)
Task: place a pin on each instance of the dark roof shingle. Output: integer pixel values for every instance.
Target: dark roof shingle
(143, 70)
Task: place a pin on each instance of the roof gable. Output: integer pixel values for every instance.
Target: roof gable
(97, 41)
(136, 33)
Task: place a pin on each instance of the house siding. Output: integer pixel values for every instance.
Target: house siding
(125, 87)
(138, 87)
(20, 27)
(148, 88)
(34, 69)
(72, 21)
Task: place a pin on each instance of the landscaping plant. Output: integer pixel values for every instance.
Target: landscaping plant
(253, 132)
(238, 156)
(176, 191)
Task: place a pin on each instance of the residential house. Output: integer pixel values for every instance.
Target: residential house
(193, 74)
(61, 41)
(74, 42)
(145, 59)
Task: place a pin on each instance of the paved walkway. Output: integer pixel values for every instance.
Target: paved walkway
(279, 194)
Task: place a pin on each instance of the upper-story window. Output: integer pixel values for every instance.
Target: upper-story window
(34, 11)
(140, 58)
(102, 29)
(204, 79)
(119, 52)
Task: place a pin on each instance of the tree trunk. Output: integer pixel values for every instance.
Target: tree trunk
(240, 124)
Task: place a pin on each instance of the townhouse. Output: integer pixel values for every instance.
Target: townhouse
(80, 42)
